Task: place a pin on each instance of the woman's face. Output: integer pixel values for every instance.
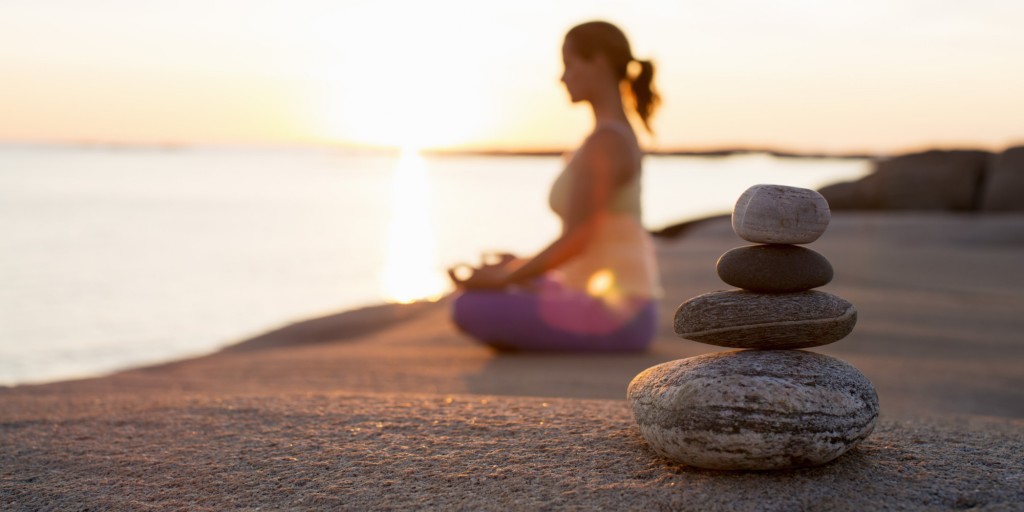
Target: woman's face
(580, 74)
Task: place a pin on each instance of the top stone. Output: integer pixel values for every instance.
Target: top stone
(777, 214)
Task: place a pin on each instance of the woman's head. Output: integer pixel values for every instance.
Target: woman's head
(600, 40)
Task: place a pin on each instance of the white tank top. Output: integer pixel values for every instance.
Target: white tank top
(619, 261)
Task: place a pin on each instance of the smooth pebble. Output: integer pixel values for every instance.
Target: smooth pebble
(774, 268)
(778, 214)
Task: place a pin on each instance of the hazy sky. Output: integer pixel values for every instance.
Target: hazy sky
(865, 75)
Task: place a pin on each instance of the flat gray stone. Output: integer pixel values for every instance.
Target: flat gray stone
(742, 319)
(774, 268)
(778, 214)
(753, 409)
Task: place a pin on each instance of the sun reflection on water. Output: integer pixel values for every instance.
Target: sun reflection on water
(411, 271)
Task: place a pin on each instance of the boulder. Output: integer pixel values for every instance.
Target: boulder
(1004, 182)
(932, 180)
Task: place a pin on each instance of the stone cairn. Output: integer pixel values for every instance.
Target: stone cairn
(770, 406)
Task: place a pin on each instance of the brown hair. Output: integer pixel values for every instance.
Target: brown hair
(601, 37)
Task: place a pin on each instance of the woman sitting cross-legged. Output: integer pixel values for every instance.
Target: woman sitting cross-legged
(595, 287)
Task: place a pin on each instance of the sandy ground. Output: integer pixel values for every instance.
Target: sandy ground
(389, 407)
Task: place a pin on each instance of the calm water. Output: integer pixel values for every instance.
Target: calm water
(115, 258)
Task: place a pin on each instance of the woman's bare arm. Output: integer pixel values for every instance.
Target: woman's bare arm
(606, 163)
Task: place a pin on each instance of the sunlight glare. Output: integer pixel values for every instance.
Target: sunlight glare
(402, 82)
(601, 283)
(411, 271)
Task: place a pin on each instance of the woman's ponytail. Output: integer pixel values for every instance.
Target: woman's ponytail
(644, 95)
(602, 38)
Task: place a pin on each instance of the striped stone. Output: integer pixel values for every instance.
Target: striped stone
(744, 319)
(777, 214)
(753, 409)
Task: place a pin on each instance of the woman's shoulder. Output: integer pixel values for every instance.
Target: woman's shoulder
(610, 137)
(622, 128)
(609, 144)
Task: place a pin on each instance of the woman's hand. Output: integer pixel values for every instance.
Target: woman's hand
(503, 259)
(486, 277)
(494, 272)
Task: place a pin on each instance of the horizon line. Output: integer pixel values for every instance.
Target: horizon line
(708, 151)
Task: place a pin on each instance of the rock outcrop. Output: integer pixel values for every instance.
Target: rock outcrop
(933, 180)
(1004, 182)
(959, 181)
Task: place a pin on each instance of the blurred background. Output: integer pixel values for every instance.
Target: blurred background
(175, 177)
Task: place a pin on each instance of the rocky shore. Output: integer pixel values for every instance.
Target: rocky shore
(390, 408)
(955, 180)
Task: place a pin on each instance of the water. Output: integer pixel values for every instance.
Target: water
(116, 258)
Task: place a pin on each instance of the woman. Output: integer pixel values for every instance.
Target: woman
(595, 287)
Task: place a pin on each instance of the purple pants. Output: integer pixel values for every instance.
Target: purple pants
(551, 318)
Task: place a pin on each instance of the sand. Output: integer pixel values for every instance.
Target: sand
(390, 408)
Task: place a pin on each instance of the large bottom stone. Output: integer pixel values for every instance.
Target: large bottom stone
(754, 409)
(742, 319)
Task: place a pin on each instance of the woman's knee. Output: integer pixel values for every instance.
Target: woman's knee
(473, 312)
(461, 311)
(645, 327)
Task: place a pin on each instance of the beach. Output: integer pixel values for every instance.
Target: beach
(389, 407)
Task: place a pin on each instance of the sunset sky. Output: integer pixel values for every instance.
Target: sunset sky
(867, 75)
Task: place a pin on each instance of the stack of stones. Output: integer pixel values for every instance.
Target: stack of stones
(770, 406)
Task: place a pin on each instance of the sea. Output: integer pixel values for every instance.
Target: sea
(113, 257)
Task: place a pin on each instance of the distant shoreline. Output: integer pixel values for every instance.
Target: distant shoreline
(701, 153)
(722, 151)
(172, 147)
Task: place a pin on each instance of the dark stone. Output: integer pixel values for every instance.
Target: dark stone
(932, 180)
(774, 268)
(742, 319)
(1004, 182)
